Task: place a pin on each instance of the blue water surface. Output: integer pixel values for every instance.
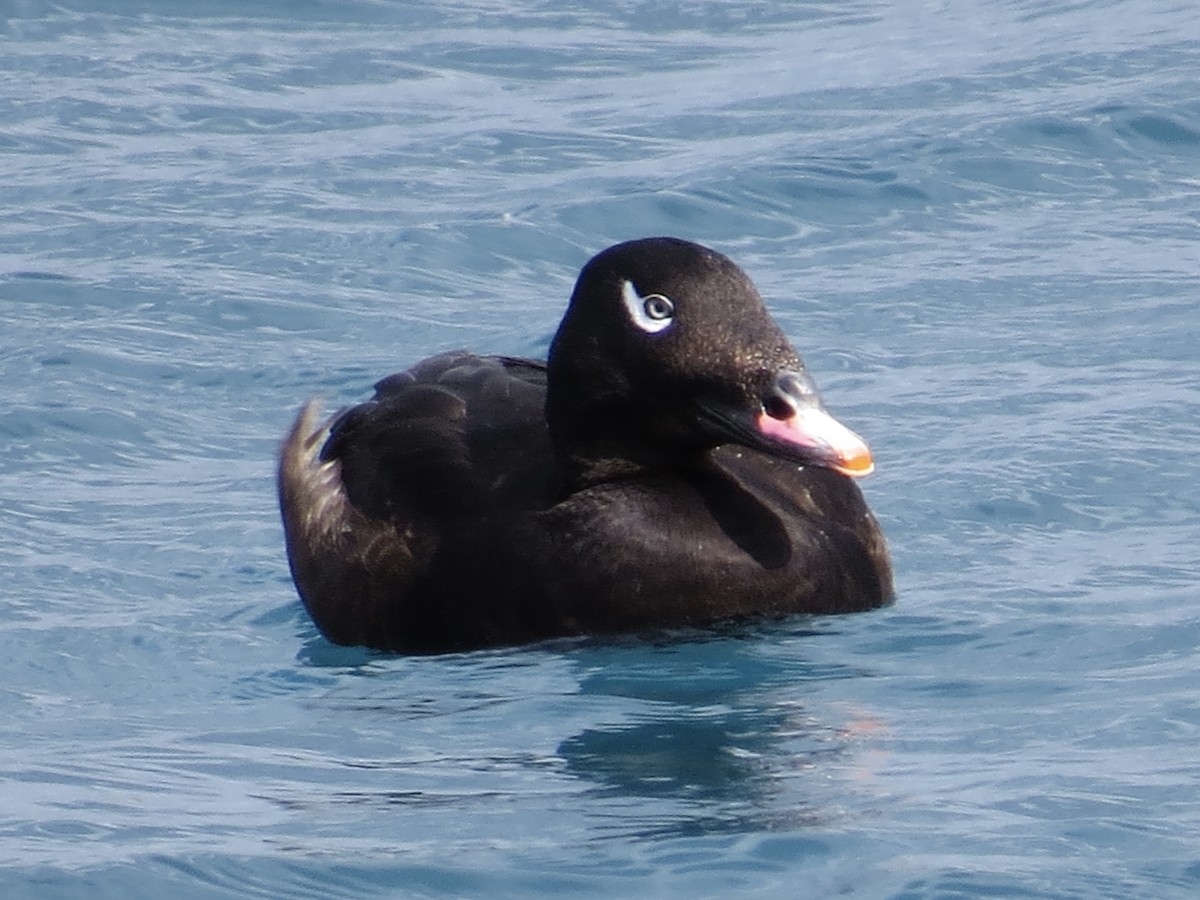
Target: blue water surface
(980, 223)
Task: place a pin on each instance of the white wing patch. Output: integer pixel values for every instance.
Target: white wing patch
(647, 313)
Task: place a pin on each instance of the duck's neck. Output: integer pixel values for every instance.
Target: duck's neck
(602, 428)
(602, 442)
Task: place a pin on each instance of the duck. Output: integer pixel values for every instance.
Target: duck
(670, 466)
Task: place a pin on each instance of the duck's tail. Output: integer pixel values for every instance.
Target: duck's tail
(350, 570)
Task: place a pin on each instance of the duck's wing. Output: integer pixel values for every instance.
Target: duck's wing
(456, 434)
(366, 496)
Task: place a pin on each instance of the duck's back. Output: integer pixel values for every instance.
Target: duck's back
(458, 434)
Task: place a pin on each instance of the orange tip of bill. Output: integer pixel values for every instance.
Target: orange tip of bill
(856, 466)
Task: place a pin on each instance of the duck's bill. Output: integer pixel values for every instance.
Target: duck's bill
(800, 430)
(815, 436)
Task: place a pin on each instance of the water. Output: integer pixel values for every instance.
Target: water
(979, 225)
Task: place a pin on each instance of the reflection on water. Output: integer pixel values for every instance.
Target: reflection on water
(648, 737)
(722, 730)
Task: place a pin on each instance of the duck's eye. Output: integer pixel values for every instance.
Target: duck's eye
(658, 307)
(651, 313)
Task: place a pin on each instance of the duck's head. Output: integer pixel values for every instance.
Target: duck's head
(666, 350)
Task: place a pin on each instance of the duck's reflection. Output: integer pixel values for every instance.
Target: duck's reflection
(721, 738)
(703, 757)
